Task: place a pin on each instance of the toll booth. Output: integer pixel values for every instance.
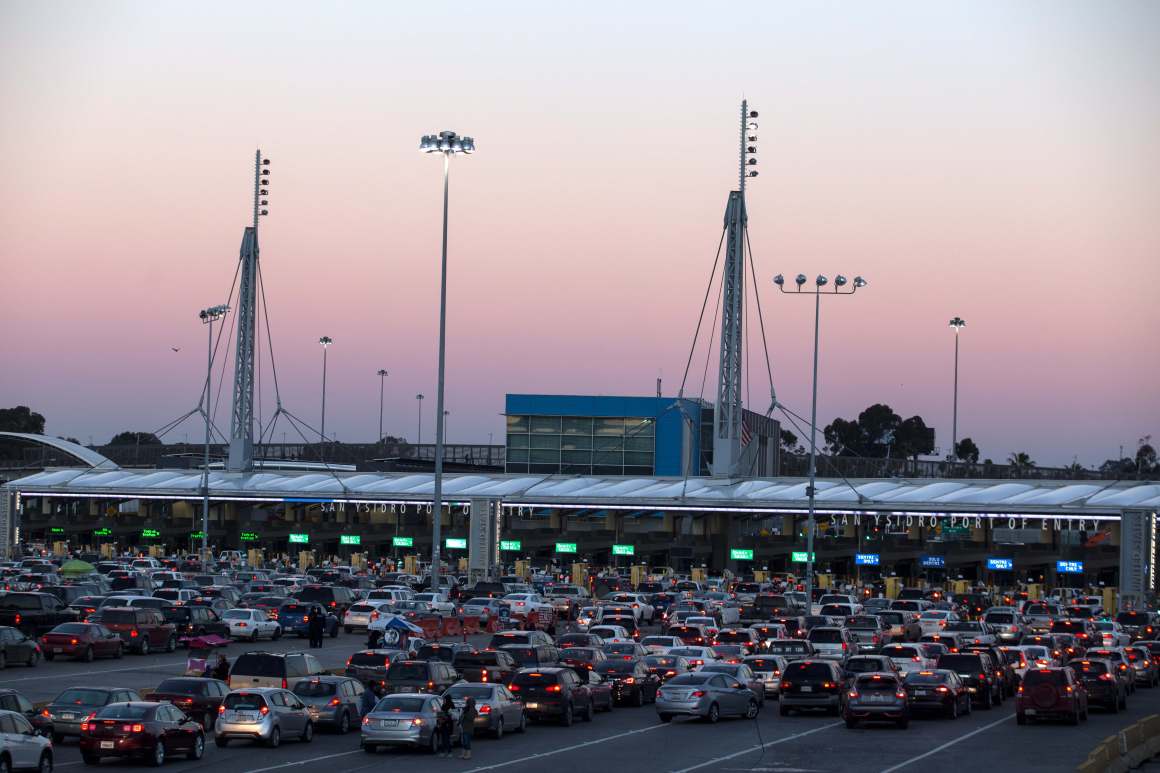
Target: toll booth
(638, 574)
(523, 568)
(1110, 601)
(358, 561)
(411, 564)
(959, 587)
(698, 574)
(254, 557)
(825, 581)
(1034, 591)
(60, 549)
(305, 560)
(893, 587)
(462, 565)
(760, 576)
(156, 551)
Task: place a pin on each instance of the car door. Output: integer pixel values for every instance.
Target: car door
(167, 720)
(294, 712)
(512, 709)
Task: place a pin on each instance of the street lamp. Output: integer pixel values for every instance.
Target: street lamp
(208, 317)
(956, 324)
(419, 442)
(445, 431)
(326, 341)
(841, 287)
(447, 144)
(382, 385)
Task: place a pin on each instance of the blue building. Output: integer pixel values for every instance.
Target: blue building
(635, 436)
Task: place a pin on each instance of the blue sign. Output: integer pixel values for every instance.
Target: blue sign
(934, 562)
(1000, 564)
(1069, 567)
(866, 559)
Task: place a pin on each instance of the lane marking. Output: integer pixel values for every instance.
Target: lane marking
(86, 672)
(304, 762)
(561, 750)
(758, 747)
(948, 744)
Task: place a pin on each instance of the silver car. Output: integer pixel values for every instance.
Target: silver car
(498, 709)
(263, 714)
(20, 744)
(331, 700)
(705, 695)
(401, 720)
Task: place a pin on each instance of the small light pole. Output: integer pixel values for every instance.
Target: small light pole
(956, 324)
(326, 341)
(447, 144)
(419, 442)
(820, 282)
(208, 317)
(382, 386)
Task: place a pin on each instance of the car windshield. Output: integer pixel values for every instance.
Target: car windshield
(124, 711)
(408, 671)
(311, 688)
(82, 697)
(1044, 676)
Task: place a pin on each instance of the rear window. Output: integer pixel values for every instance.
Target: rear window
(124, 711)
(1093, 667)
(1067, 626)
(368, 659)
(660, 661)
(428, 652)
(402, 704)
(117, 616)
(762, 664)
(863, 665)
(807, 671)
(690, 679)
(71, 628)
(476, 659)
(863, 622)
(182, 686)
(308, 688)
(16, 601)
(523, 655)
(408, 671)
(734, 636)
(924, 677)
(895, 651)
(825, 636)
(877, 683)
(1132, 618)
(788, 647)
(620, 648)
(324, 595)
(1003, 618)
(1049, 676)
(616, 667)
(244, 701)
(891, 618)
(470, 691)
(82, 697)
(252, 664)
(534, 678)
(237, 614)
(961, 663)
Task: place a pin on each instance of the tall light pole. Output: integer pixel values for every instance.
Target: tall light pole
(956, 324)
(326, 341)
(208, 317)
(447, 144)
(419, 398)
(445, 431)
(818, 291)
(382, 386)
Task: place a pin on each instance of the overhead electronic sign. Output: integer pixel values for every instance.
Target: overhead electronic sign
(150, 533)
(403, 542)
(103, 533)
(1069, 567)
(350, 539)
(1000, 564)
(866, 559)
(456, 543)
(740, 554)
(300, 539)
(510, 544)
(249, 536)
(801, 557)
(934, 562)
(565, 547)
(624, 550)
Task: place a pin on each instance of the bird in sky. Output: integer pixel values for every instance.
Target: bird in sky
(175, 348)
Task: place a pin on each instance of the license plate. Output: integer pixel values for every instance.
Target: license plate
(107, 744)
(58, 649)
(388, 723)
(533, 705)
(807, 688)
(1030, 712)
(877, 699)
(922, 692)
(68, 716)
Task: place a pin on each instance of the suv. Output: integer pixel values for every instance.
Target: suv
(195, 621)
(336, 598)
(835, 643)
(519, 637)
(485, 666)
(811, 684)
(372, 665)
(978, 673)
(295, 618)
(141, 629)
(553, 692)
(272, 669)
(20, 746)
(433, 676)
(1082, 629)
(1051, 693)
(1102, 685)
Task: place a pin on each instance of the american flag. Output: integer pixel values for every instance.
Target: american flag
(745, 434)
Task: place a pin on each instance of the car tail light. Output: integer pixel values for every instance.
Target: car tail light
(901, 694)
(240, 625)
(485, 708)
(45, 713)
(514, 687)
(222, 709)
(698, 693)
(915, 658)
(366, 720)
(264, 710)
(334, 702)
(134, 633)
(852, 694)
(416, 722)
(84, 727)
(554, 688)
(1019, 691)
(73, 641)
(1106, 678)
(484, 676)
(941, 689)
(982, 676)
(630, 680)
(306, 618)
(284, 687)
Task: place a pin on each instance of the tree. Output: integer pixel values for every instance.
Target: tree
(1146, 456)
(128, 438)
(967, 451)
(913, 438)
(70, 439)
(21, 419)
(789, 443)
(879, 428)
(1021, 461)
(843, 437)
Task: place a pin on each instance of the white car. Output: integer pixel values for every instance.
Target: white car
(611, 633)
(697, 656)
(438, 601)
(708, 625)
(523, 603)
(586, 617)
(1112, 634)
(20, 744)
(391, 593)
(251, 624)
(660, 645)
(641, 608)
(362, 614)
(909, 657)
(176, 596)
(934, 620)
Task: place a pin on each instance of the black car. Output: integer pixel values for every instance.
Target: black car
(632, 681)
(192, 621)
(532, 655)
(666, 666)
(979, 673)
(420, 676)
(1103, 688)
(1004, 666)
(371, 665)
(443, 652)
(811, 684)
(939, 691)
(17, 649)
(876, 698)
(868, 664)
(485, 666)
(554, 693)
(335, 598)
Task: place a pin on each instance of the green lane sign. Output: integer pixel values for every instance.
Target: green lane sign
(624, 550)
(510, 544)
(249, 536)
(403, 542)
(56, 530)
(150, 533)
(801, 557)
(350, 539)
(456, 543)
(300, 539)
(196, 534)
(565, 547)
(103, 533)
(740, 554)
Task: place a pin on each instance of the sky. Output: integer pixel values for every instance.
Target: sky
(996, 161)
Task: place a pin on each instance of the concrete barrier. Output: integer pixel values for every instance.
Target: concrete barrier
(1127, 750)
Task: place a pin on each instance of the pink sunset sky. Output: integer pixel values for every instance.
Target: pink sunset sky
(993, 160)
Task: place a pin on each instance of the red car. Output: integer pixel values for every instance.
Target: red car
(83, 641)
(145, 730)
(141, 629)
(1051, 693)
(199, 697)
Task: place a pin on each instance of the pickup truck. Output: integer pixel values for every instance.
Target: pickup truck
(34, 613)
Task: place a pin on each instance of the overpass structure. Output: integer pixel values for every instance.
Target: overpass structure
(1098, 531)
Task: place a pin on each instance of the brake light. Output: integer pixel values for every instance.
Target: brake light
(485, 709)
(514, 687)
(982, 676)
(134, 633)
(901, 694)
(484, 679)
(284, 684)
(698, 693)
(221, 709)
(1105, 677)
(84, 727)
(73, 641)
(366, 720)
(916, 658)
(334, 702)
(941, 689)
(852, 694)
(45, 713)
(554, 688)
(264, 710)
(306, 618)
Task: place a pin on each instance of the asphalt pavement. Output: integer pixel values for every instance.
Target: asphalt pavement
(631, 739)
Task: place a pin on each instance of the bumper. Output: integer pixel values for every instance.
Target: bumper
(115, 747)
(63, 651)
(539, 708)
(1052, 713)
(260, 730)
(69, 727)
(821, 701)
(692, 708)
(409, 736)
(875, 712)
(924, 703)
(1107, 696)
(327, 716)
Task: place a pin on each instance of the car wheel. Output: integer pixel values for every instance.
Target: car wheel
(714, 714)
(254, 636)
(157, 759)
(591, 712)
(87, 657)
(433, 746)
(5, 765)
(275, 738)
(198, 747)
(45, 765)
(91, 759)
(523, 723)
(334, 631)
(308, 733)
(144, 648)
(987, 699)
(344, 724)
(221, 742)
(566, 719)
(851, 723)
(751, 710)
(277, 633)
(370, 748)
(1021, 718)
(665, 717)
(499, 729)
(119, 652)
(171, 644)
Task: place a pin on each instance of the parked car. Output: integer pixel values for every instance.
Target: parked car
(145, 730)
(705, 695)
(264, 714)
(1051, 693)
(68, 710)
(17, 648)
(331, 701)
(21, 747)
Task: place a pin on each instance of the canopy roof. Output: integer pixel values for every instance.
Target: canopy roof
(753, 494)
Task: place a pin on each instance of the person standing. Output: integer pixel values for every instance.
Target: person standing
(444, 724)
(467, 726)
(316, 626)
